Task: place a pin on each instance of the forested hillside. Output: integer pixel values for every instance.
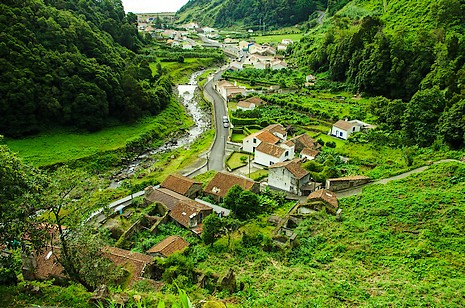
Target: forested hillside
(68, 63)
(411, 52)
(251, 13)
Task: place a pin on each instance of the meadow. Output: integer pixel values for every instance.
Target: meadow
(277, 38)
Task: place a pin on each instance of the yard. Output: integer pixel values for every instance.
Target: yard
(237, 160)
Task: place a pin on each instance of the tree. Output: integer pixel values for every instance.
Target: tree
(20, 186)
(211, 229)
(452, 125)
(421, 116)
(80, 252)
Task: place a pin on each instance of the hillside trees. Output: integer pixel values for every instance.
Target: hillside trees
(60, 68)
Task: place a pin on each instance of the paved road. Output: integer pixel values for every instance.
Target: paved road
(358, 190)
(216, 156)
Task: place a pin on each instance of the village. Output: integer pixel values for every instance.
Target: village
(187, 202)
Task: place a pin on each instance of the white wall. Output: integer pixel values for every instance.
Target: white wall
(279, 178)
(340, 133)
(248, 144)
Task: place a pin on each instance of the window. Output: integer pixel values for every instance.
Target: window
(340, 134)
(254, 140)
(271, 163)
(353, 129)
(287, 153)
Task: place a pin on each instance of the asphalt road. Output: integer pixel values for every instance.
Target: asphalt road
(216, 156)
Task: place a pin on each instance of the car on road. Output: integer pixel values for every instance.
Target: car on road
(225, 124)
(225, 119)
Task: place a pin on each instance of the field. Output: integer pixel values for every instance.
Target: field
(63, 146)
(277, 38)
(180, 72)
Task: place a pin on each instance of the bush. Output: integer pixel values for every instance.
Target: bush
(331, 144)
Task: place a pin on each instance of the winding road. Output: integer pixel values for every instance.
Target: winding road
(216, 156)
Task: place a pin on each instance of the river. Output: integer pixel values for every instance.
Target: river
(201, 120)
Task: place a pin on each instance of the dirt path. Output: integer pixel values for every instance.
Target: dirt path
(358, 190)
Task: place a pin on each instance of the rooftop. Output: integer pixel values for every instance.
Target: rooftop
(270, 149)
(179, 183)
(324, 195)
(293, 166)
(222, 182)
(169, 245)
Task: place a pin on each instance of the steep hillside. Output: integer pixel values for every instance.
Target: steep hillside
(251, 13)
(408, 50)
(63, 63)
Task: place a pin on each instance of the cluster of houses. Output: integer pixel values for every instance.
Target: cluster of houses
(229, 90)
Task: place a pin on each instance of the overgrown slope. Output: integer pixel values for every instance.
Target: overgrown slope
(255, 14)
(408, 50)
(63, 64)
(399, 244)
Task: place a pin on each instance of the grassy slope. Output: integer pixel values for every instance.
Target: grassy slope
(62, 146)
(277, 38)
(398, 245)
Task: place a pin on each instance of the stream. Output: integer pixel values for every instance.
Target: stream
(201, 122)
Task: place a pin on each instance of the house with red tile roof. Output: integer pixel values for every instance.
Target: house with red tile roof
(305, 141)
(343, 129)
(308, 154)
(182, 185)
(168, 246)
(251, 142)
(222, 182)
(267, 154)
(288, 176)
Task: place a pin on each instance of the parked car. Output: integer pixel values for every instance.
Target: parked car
(225, 119)
(225, 124)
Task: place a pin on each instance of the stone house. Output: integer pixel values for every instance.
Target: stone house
(182, 185)
(222, 182)
(305, 141)
(288, 176)
(308, 154)
(337, 184)
(190, 214)
(318, 200)
(168, 246)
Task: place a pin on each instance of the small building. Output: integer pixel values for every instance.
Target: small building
(244, 45)
(168, 246)
(222, 182)
(182, 185)
(305, 141)
(318, 200)
(308, 154)
(337, 184)
(288, 176)
(190, 214)
(267, 154)
(343, 129)
(251, 103)
(278, 65)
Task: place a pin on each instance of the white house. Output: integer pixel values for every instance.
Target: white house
(288, 176)
(250, 103)
(278, 130)
(251, 142)
(343, 129)
(267, 154)
(228, 90)
(282, 47)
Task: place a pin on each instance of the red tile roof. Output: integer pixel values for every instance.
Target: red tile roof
(350, 178)
(293, 166)
(136, 261)
(324, 195)
(178, 183)
(169, 245)
(305, 141)
(276, 128)
(268, 137)
(185, 209)
(256, 100)
(166, 197)
(345, 125)
(222, 182)
(244, 104)
(309, 152)
(270, 149)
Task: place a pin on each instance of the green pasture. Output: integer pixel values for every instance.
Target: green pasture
(60, 146)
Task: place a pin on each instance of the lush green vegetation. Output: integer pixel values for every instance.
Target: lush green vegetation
(403, 50)
(286, 78)
(255, 14)
(62, 64)
(65, 146)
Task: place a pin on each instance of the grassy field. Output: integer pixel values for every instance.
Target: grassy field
(62, 146)
(234, 161)
(277, 38)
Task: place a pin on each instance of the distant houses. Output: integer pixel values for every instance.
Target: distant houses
(228, 90)
(251, 103)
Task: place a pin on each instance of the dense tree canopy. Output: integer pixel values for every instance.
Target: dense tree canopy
(62, 64)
